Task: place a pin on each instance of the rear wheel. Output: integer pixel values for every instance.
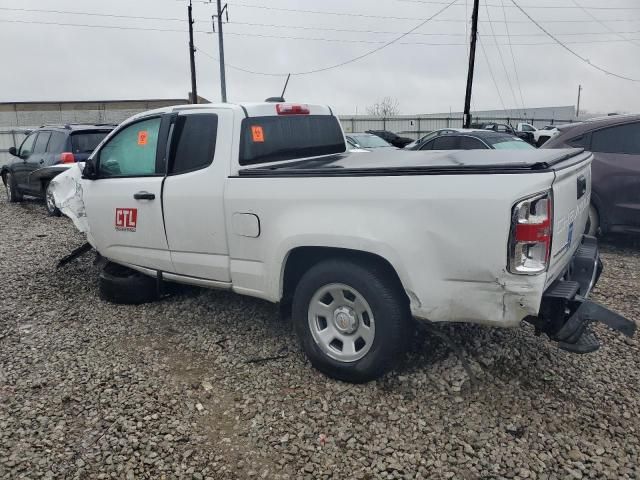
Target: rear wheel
(49, 201)
(593, 223)
(122, 285)
(352, 319)
(13, 194)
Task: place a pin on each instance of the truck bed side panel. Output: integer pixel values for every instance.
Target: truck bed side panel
(446, 236)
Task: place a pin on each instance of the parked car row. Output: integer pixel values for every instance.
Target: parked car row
(46, 152)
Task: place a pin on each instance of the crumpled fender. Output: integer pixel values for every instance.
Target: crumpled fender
(67, 194)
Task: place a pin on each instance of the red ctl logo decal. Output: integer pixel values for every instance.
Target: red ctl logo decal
(126, 219)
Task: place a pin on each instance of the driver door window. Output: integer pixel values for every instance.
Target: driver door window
(27, 146)
(132, 151)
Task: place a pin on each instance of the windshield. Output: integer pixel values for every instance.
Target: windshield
(370, 141)
(509, 144)
(86, 142)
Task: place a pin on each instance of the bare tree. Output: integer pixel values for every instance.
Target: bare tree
(387, 107)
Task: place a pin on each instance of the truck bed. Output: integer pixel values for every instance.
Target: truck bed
(400, 162)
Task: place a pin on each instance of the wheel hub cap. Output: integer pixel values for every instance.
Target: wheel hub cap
(341, 322)
(345, 320)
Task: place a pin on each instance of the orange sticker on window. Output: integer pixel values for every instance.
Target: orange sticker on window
(257, 134)
(142, 137)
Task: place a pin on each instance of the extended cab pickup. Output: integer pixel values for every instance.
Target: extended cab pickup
(263, 199)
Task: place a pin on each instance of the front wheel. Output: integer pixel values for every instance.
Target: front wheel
(49, 201)
(351, 318)
(13, 194)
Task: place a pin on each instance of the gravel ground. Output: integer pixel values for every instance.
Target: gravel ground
(176, 389)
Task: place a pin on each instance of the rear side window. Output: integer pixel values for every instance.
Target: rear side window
(132, 151)
(619, 139)
(270, 139)
(470, 143)
(41, 142)
(57, 143)
(194, 142)
(581, 141)
(86, 142)
(445, 143)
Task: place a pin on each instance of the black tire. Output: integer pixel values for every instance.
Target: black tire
(124, 286)
(13, 193)
(541, 141)
(593, 223)
(387, 302)
(49, 204)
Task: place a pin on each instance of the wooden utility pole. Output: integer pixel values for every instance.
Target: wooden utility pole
(578, 105)
(223, 80)
(192, 59)
(466, 119)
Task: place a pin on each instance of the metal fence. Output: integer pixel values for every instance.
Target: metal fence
(415, 127)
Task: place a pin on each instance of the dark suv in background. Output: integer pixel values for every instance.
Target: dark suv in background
(615, 172)
(46, 152)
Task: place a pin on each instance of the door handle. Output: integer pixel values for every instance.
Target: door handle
(144, 196)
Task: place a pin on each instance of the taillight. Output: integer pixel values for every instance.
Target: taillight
(67, 157)
(291, 109)
(530, 237)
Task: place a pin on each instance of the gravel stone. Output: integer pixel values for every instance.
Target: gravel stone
(92, 390)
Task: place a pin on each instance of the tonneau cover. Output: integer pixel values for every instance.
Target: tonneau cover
(401, 162)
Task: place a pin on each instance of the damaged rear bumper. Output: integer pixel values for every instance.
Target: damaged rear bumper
(565, 311)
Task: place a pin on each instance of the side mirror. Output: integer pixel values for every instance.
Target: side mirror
(13, 151)
(90, 171)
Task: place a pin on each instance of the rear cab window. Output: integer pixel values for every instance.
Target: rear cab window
(275, 138)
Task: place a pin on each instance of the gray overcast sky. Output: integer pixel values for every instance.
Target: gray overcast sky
(55, 62)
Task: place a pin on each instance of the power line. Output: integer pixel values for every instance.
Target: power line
(388, 17)
(607, 27)
(513, 57)
(285, 37)
(504, 67)
(570, 50)
(542, 7)
(366, 54)
(495, 84)
(321, 12)
(429, 34)
(67, 12)
(246, 70)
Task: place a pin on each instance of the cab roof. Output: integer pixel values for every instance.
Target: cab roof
(256, 109)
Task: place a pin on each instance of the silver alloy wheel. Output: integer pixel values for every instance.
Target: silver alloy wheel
(51, 203)
(341, 322)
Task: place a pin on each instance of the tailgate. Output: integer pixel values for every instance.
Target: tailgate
(571, 196)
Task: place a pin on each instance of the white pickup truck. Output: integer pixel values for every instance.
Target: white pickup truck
(540, 136)
(263, 199)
